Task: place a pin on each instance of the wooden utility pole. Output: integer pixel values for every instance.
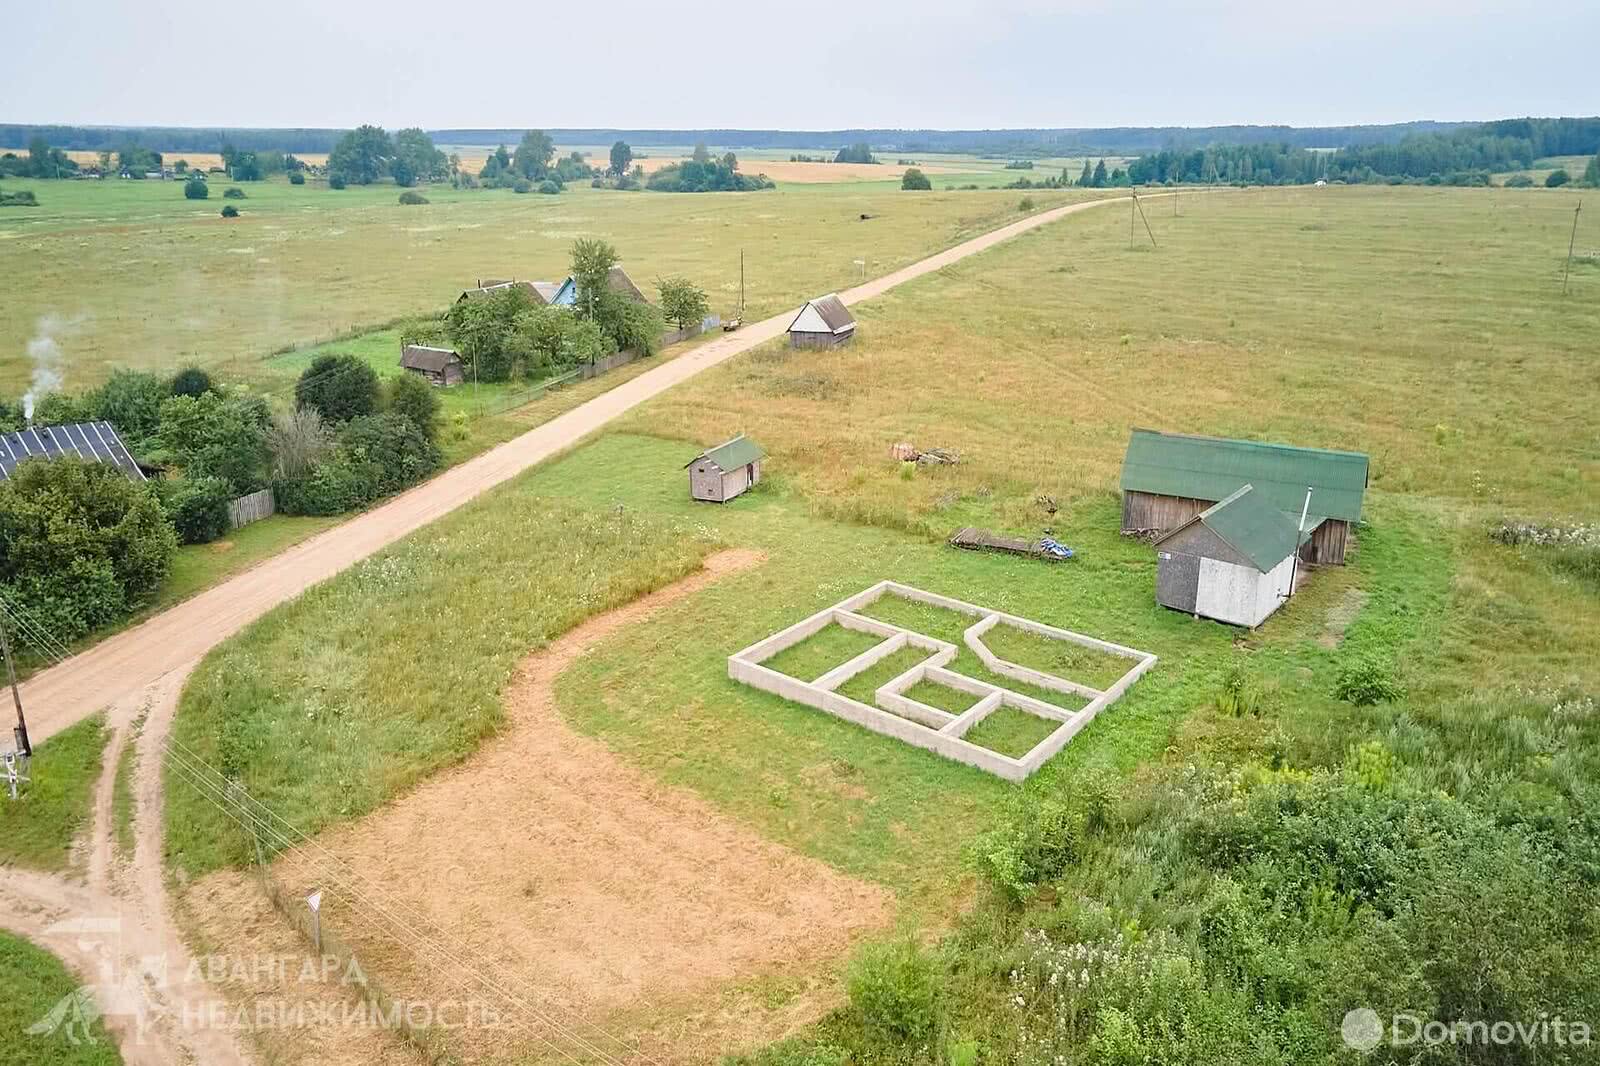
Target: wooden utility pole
(16, 697)
(1146, 222)
(1571, 243)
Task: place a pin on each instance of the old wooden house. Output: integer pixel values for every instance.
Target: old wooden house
(1234, 561)
(95, 441)
(617, 280)
(1168, 478)
(721, 473)
(441, 366)
(543, 292)
(822, 323)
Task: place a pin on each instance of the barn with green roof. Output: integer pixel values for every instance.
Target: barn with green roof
(1169, 478)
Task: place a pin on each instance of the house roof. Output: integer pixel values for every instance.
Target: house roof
(422, 357)
(547, 290)
(96, 441)
(732, 454)
(623, 285)
(1211, 468)
(832, 310)
(1249, 523)
(536, 289)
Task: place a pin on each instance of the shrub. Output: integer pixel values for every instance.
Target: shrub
(229, 211)
(296, 178)
(20, 198)
(1240, 696)
(211, 435)
(1040, 842)
(331, 487)
(1025, 204)
(894, 989)
(411, 198)
(131, 401)
(233, 192)
(336, 181)
(1519, 181)
(1557, 179)
(639, 327)
(196, 188)
(413, 398)
(388, 452)
(191, 381)
(548, 187)
(522, 185)
(915, 179)
(297, 441)
(1366, 680)
(80, 544)
(340, 386)
(197, 507)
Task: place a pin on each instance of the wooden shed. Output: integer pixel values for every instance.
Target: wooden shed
(721, 473)
(1233, 562)
(822, 323)
(1168, 478)
(441, 366)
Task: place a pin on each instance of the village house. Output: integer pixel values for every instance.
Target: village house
(95, 441)
(617, 280)
(719, 474)
(543, 292)
(441, 366)
(1234, 561)
(1168, 478)
(822, 323)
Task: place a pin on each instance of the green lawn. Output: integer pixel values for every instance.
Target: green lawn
(39, 828)
(942, 697)
(831, 646)
(40, 992)
(1010, 731)
(1075, 662)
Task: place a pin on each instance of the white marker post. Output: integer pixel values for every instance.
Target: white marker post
(314, 901)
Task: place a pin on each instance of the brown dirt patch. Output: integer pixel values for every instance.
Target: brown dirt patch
(603, 897)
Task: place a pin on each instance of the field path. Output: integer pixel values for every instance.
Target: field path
(122, 666)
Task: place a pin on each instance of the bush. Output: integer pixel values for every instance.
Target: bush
(340, 386)
(914, 179)
(196, 188)
(413, 398)
(131, 401)
(230, 211)
(388, 452)
(336, 181)
(233, 192)
(894, 989)
(548, 187)
(331, 487)
(20, 198)
(522, 185)
(297, 441)
(198, 508)
(1557, 179)
(191, 381)
(1366, 680)
(1519, 181)
(1025, 204)
(80, 544)
(296, 178)
(211, 435)
(411, 198)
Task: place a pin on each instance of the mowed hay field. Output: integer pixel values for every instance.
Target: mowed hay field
(131, 273)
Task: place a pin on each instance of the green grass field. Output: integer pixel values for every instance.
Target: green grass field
(39, 828)
(37, 986)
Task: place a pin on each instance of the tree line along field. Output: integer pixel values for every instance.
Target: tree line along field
(173, 283)
(1241, 848)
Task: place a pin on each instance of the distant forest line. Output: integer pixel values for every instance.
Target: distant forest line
(1117, 140)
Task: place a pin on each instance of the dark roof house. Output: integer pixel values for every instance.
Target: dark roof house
(617, 280)
(441, 366)
(822, 323)
(488, 287)
(95, 441)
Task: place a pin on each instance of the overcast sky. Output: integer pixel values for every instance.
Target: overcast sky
(819, 65)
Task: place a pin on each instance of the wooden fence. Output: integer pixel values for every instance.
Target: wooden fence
(252, 508)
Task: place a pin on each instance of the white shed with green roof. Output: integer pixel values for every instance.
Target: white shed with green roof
(1234, 561)
(719, 474)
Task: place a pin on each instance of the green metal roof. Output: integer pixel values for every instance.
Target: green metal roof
(1251, 526)
(732, 454)
(1211, 468)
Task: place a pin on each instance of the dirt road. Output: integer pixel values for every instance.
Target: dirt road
(124, 665)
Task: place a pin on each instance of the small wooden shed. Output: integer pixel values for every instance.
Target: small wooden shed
(719, 474)
(1233, 562)
(822, 323)
(441, 366)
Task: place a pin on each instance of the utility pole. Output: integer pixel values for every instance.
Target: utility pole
(25, 748)
(1571, 243)
(1146, 222)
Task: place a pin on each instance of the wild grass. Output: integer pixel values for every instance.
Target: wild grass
(1011, 731)
(940, 696)
(833, 645)
(1063, 658)
(39, 828)
(37, 985)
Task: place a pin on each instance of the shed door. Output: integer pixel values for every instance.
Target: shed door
(1178, 581)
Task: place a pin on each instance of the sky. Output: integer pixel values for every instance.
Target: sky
(830, 64)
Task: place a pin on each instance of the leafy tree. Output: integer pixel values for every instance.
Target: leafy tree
(336, 181)
(388, 452)
(1099, 179)
(131, 401)
(339, 385)
(621, 158)
(191, 381)
(915, 179)
(701, 154)
(592, 260)
(196, 188)
(1591, 173)
(416, 158)
(855, 153)
(482, 332)
(496, 169)
(297, 440)
(80, 544)
(361, 156)
(240, 165)
(1087, 177)
(682, 302)
(636, 326)
(533, 155)
(706, 175)
(572, 167)
(134, 160)
(412, 397)
(1557, 179)
(209, 435)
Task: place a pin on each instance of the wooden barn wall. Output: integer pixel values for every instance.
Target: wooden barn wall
(1144, 512)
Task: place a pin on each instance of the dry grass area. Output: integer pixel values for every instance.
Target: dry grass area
(633, 907)
(204, 160)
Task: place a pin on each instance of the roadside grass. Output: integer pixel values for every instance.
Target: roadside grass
(339, 700)
(833, 645)
(39, 828)
(37, 987)
(1010, 731)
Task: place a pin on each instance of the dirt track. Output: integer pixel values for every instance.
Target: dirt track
(125, 664)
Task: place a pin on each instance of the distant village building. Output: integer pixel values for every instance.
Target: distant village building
(441, 366)
(721, 473)
(1234, 561)
(822, 323)
(1168, 478)
(617, 280)
(94, 441)
(543, 292)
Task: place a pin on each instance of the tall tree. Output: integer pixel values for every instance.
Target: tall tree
(1087, 177)
(701, 154)
(621, 158)
(533, 155)
(1099, 180)
(416, 159)
(592, 260)
(362, 155)
(1591, 173)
